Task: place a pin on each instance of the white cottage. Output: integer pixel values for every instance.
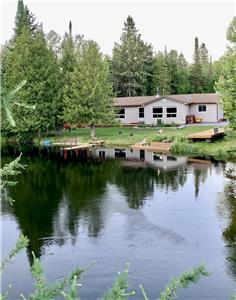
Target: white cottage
(169, 109)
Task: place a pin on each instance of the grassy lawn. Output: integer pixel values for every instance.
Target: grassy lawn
(126, 136)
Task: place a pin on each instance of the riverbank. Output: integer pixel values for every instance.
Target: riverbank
(126, 136)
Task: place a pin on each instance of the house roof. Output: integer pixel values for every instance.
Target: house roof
(210, 98)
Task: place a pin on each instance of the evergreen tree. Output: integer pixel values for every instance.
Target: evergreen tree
(207, 70)
(183, 86)
(132, 62)
(226, 85)
(203, 53)
(172, 61)
(90, 99)
(68, 64)
(161, 75)
(196, 70)
(24, 19)
(30, 59)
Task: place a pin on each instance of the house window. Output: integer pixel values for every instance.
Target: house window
(120, 153)
(171, 158)
(141, 112)
(102, 154)
(121, 113)
(202, 108)
(157, 112)
(157, 156)
(142, 154)
(171, 112)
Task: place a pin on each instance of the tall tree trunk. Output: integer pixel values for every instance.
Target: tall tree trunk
(92, 132)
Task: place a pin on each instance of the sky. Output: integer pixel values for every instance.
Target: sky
(171, 23)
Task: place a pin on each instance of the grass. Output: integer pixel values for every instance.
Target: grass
(222, 148)
(127, 136)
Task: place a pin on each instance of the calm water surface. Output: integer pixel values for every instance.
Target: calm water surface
(163, 219)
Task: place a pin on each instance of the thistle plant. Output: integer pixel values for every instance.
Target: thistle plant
(8, 100)
(12, 169)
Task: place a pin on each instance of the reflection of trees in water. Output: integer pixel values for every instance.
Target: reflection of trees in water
(200, 176)
(37, 197)
(227, 210)
(85, 186)
(171, 179)
(54, 200)
(138, 183)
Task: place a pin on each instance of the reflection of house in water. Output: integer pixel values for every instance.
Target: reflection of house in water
(141, 158)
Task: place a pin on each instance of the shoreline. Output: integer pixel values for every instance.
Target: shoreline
(224, 148)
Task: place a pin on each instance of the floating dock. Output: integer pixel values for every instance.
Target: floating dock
(207, 135)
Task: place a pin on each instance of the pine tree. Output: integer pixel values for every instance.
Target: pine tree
(161, 75)
(207, 70)
(90, 101)
(68, 64)
(31, 60)
(172, 62)
(183, 86)
(196, 70)
(203, 53)
(24, 19)
(131, 62)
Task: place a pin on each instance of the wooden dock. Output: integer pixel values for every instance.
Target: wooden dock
(79, 146)
(207, 135)
(154, 146)
(75, 145)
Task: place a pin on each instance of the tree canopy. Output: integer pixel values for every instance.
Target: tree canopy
(226, 85)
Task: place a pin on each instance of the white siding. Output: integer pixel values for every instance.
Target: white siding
(220, 111)
(131, 115)
(210, 115)
(213, 113)
(182, 111)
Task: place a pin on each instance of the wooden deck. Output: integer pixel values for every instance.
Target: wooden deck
(206, 135)
(154, 146)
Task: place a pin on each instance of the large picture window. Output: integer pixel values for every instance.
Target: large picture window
(202, 108)
(157, 112)
(171, 112)
(121, 113)
(141, 112)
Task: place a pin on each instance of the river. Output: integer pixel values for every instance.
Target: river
(162, 214)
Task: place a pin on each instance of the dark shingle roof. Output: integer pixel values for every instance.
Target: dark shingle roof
(209, 98)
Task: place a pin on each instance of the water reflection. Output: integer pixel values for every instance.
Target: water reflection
(54, 199)
(227, 211)
(141, 209)
(37, 196)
